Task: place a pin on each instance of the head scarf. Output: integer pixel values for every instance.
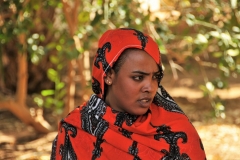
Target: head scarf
(111, 45)
(95, 131)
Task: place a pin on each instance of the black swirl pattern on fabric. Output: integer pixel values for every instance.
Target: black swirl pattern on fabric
(125, 132)
(93, 123)
(96, 86)
(66, 149)
(133, 150)
(140, 36)
(164, 132)
(91, 117)
(102, 58)
(121, 117)
(163, 99)
(96, 153)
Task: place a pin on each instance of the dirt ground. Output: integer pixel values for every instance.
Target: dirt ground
(220, 136)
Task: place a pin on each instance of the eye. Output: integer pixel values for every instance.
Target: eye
(155, 76)
(158, 77)
(137, 78)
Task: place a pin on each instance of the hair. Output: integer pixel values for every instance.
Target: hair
(117, 65)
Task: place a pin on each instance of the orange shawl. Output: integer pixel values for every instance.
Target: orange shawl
(95, 131)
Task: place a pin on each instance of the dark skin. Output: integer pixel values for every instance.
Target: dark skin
(134, 86)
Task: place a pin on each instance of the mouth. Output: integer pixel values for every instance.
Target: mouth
(145, 102)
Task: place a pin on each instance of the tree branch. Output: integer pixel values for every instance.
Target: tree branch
(21, 112)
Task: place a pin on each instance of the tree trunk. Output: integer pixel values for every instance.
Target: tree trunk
(18, 107)
(1, 70)
(22, 73)
(70, 88)
(71, 18)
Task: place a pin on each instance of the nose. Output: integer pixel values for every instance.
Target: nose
(149, 86)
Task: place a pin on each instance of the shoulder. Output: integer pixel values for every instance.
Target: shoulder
(74, 117)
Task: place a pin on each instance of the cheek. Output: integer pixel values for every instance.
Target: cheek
(127, 88)
(156, 86)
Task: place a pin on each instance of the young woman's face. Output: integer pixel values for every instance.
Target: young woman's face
(133, 88)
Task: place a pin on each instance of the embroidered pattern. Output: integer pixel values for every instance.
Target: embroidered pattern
(133, 150)
(141, 37)
(97, 148)
(66, 149)
(91, 118)
(171, 138)
(102, 58)
(121, 117)
(96, 86)
(130, 119)
(163, 99)
(125, 132)
(93, 123)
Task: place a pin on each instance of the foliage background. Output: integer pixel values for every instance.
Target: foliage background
(59, 40)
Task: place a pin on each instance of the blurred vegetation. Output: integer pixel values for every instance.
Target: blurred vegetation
(204, 31)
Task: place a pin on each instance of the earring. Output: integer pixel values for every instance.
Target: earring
(108, 82)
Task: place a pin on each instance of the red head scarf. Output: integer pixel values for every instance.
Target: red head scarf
(95, 131)
(111, 45)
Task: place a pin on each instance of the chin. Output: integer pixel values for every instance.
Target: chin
(139, 113)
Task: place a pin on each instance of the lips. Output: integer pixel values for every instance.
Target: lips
(145, 102)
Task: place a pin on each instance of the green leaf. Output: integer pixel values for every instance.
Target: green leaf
(51, 45)
(61, 94)
(52, 74)
(190, 19)
(219, 106)
(210, 86)
(48, 102)
(83, 17)
(185, 3)
(236, 29)
(39, 101)
(204, 89)
(201, 39)
(233, 3)
(48, 92)
(54, 59)
(217, 54)
(238, 68)
(226, 38)
(59, 104)
(60, 85)
(219, 83)
(232, 52)
(215, 34)
(237, 36)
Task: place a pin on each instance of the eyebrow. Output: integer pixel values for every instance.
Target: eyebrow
(144, 73)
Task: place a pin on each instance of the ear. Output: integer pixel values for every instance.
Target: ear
(109, 77)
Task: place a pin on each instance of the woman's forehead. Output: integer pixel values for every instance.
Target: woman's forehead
(137, 59)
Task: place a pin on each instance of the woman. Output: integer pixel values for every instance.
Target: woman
(130, 115)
